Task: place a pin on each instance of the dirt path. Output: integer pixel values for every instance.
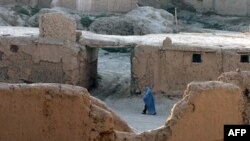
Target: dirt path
(129, 109)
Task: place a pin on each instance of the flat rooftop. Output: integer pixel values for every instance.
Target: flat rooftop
(18, 31)
(213, 40)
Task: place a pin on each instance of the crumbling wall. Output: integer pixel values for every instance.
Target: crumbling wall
(65, 112)
(54, 56)
(200, 116)
(241, 79)
(32, 63)
(54, 112)
(169, 70)
(205, 109)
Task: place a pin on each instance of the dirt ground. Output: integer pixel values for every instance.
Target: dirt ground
(129, 109)
(114, 89)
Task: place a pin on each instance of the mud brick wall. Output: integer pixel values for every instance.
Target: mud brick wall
(53, 55)
(168, 70)
(54, 112)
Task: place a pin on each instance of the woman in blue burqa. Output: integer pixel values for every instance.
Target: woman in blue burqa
(149, 102)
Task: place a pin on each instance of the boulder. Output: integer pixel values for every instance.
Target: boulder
(17, 15)
(3, 22)
(140, 21)
(113, 26)
(10, 17)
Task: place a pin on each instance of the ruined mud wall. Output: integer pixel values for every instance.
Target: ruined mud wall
(199, 116)
(223, 7)
(53, 56)
(53, 112)
(65, 112)
(205, 109)
(169, 69)
(241, 79)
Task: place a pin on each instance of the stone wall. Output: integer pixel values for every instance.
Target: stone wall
(54, 56)
(54, 112)
(169, 69)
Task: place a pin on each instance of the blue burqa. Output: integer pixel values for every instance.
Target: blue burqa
(149, 101)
